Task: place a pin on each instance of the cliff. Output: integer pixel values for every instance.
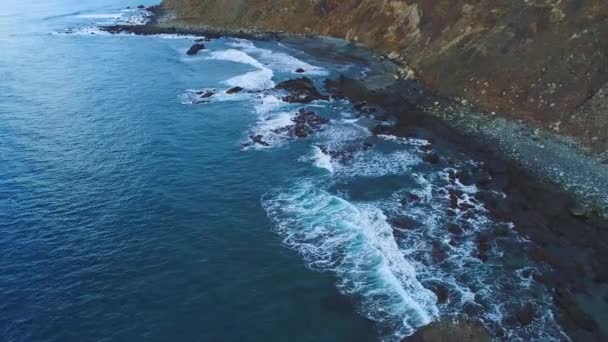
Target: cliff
(544, 61)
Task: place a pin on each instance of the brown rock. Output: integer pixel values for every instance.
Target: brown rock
(451, 330)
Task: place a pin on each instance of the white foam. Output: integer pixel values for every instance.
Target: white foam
(254, 80)
(277, 60)
(268, 103)
(83, 31)
(100, 16)
(376, 164)
(122, 17)
(356, 243)
(404, 140)
(236, 56)
(177, 36)
(322, 160)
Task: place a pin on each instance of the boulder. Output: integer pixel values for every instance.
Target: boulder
(404, 222)
(234, 90)
(194, 49)
(258, 139)
(525, 315)
(410, 198)
(451, 330)
(431, 158)
(301, 90)
(442, 293)
(300, 70)
(205, 94)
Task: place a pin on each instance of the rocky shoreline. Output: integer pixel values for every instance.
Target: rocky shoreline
(563, 211)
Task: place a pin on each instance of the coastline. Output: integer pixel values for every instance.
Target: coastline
(561, 157)
(548, 197)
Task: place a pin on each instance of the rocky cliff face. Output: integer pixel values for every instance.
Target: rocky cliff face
(544, 61)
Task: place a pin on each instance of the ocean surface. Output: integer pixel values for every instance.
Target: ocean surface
(133, 209)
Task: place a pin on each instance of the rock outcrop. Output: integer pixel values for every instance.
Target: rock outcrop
(451, 330)
(543, 61)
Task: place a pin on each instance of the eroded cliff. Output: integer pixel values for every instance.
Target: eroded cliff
(544, 61)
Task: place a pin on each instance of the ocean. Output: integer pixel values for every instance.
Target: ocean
(132, 207)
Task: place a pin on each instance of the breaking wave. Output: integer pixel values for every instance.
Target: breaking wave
(355, 242)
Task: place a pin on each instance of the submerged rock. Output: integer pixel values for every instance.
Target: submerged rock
(300, 70)
(451, 330)
(194, 49)
(301, 90)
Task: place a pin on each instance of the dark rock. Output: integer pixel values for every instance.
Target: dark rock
(455, 229)
(572, 313)
(525, 315)
(441, 292)
(194, 49)
(381, 129)
(540, 254)
(437, 252)
(205, 94)
(404, 222)
(234, 90)
(426, 148)
(431, 158)
(363, 107)
(579, 211)
(301, 90)
(484, 246)
(300, 70)
(464, 178)
(457, 329)
(465, 206)
(141, 6)
(306, 122)
(472, 309)
(258, 139)
(410, 198)
(501, 229)
(453, 198)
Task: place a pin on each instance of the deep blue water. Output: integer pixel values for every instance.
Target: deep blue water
(127, 212)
